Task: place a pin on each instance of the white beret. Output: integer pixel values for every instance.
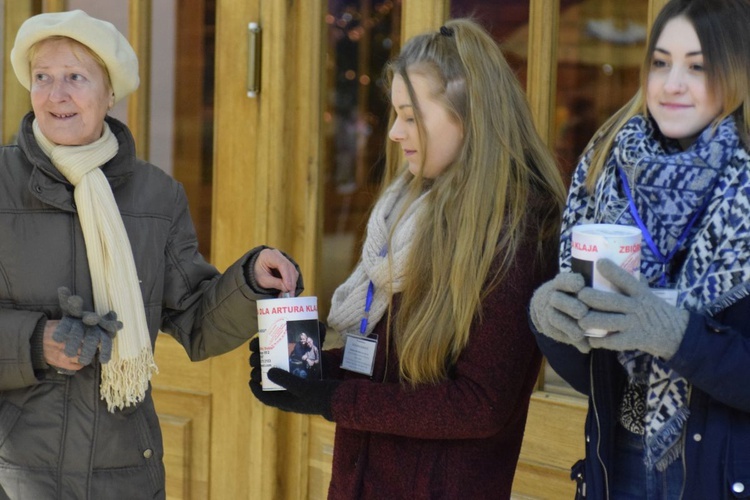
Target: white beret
(100, 36)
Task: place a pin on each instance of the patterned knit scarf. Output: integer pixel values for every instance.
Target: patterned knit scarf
(386, 272)
(670, 186)
(126, 376)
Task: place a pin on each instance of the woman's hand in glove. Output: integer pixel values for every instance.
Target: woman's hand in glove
(311, 397)
(635, 318)
(555, 310)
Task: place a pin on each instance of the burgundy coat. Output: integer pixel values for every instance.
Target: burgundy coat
(458, 439)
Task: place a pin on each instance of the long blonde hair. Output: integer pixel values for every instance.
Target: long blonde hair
(478, 207)
(722, 29)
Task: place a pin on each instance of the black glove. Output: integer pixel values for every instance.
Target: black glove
(310, 397)
(83, 332)
(322, 333)
(255, 357)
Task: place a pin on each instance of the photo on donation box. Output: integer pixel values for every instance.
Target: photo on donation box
(288, 338)
(304, 348)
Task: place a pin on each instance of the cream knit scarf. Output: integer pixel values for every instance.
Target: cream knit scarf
(126, 376)
(387, 274)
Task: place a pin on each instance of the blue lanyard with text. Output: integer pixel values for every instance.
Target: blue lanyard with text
(663, 260)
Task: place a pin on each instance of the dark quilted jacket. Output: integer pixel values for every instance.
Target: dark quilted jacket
(57, 440)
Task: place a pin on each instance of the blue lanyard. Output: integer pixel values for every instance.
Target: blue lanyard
(663, 260)
(368, 301)
(368, 304)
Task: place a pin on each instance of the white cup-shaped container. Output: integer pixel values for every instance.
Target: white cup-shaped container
(280, 324)
(591, 242)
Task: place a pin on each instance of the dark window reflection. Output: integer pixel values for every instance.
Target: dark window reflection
(362, 36)
(601, 45)
(506, 20)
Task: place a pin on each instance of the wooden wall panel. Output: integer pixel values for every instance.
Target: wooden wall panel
(186, 424)
(321, 457)
(177, 433)
(537, 482)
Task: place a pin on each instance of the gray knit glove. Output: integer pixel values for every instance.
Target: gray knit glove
(635, 318)
(106, 329)
(83, 332)
(555, 310)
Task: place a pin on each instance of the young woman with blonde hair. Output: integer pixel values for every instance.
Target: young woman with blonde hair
(461, 235)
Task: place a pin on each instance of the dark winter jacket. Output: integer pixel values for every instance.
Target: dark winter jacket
(457, 439)
(713, 356)
(57, 440)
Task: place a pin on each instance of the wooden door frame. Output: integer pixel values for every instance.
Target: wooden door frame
(267, 179)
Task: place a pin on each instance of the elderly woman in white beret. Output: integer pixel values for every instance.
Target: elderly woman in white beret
(97, 254)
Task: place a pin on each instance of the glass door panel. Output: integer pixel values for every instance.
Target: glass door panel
(507, 20)
(361, 36)
(601, 46)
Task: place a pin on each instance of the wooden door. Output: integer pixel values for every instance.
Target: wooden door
(220, 442)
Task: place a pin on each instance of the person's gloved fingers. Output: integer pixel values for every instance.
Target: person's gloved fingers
(278, 399)
(613, 342)
(619, 277)
(74, 340)
(90, 318)
(322, 332)
(568, 304)
(256, 388)
(613, 302)
(90, 344)
(254, 344)
(568, 282)
(567, 328)
(72, 305)
(62, 331)
(255, 359)
(63, 294)
(110, 324)
(292, 383)
(564, 282)
(611, 322)
(256, 375)
(105, 349)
